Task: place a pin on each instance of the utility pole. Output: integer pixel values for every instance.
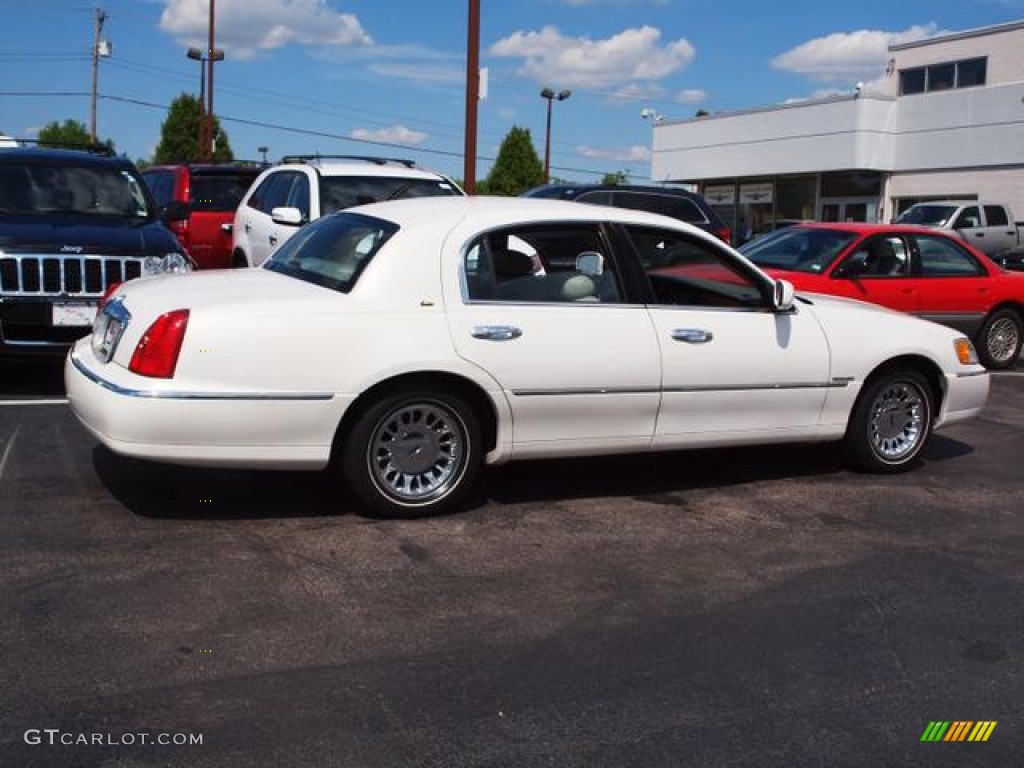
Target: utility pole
(101, 17)
(472, 95)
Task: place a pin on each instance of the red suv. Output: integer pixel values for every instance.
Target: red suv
(198, 203)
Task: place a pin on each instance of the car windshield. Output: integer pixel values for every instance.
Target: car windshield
(332, 251)
(51, 188)
(930, 215)
(798, 249)
(340, 192)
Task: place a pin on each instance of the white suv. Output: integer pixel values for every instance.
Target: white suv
(306, 187)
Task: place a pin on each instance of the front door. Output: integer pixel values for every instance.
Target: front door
(730, 365)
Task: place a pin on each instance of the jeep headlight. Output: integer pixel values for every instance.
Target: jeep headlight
(168, 264)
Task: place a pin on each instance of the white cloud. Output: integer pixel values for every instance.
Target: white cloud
(849, 55)
(631, 55)
(396, 134)
(691, 96)
(637, 92)
(245, 27)
(632, 154)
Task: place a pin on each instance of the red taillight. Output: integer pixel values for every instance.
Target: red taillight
(157, 352)
(725, 235)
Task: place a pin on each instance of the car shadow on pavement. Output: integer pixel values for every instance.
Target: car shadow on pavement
(167, 491)
(658, 474)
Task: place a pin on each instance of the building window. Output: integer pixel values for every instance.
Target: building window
(943, 76)
(971, 72)
(911, 81)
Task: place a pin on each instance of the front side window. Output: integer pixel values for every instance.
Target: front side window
(685, 271)
(332, 251)
(885, 257)
(941, 257)
(797, 249)
(969, 218)
(560, 263)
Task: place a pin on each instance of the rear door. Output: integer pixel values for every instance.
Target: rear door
(214, 195)
(955, 289)
(579, 368)
(1000, 229)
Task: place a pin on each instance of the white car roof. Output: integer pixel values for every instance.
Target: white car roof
(483, 212)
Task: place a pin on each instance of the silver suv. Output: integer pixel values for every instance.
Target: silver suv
(305, 187)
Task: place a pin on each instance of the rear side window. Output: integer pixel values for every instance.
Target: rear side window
(941, 257)
(995, 216)
(680, 208)
(220, 192)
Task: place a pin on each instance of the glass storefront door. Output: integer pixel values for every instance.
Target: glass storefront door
(848, 209)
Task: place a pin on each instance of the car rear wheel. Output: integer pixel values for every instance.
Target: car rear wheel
(891, 421)
(413, 453)
(999, 339)
(238, 260)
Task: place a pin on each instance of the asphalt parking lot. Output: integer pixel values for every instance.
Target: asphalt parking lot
(755, 607)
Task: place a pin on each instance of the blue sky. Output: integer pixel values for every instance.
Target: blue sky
(304, 76)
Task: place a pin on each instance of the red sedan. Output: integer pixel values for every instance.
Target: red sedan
(911, 269)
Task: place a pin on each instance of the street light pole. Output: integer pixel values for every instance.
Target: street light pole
(550, 96)
(211, 52)
(197, 55)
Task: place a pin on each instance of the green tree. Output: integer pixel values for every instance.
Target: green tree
(517, 168)
(619, 177)
(70, 133)
(179, 134)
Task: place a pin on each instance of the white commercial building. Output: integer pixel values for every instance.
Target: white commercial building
(946, 121)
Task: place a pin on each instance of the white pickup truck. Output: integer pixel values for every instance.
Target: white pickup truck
(989, 227)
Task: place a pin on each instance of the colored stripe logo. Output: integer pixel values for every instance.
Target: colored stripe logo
(958, 730)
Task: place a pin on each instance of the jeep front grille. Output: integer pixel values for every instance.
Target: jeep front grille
(86, 277)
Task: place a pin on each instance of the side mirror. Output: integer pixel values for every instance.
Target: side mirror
(291, 217)
(176, 211)
(590, 263)
(783, 296)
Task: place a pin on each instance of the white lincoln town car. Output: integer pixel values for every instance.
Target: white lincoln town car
(407, 343)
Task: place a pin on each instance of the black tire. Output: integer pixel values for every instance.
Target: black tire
(412, 454)
(238, 260)
(891, 421)
(999, 340)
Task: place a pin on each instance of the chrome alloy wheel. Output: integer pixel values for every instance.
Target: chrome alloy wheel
(1002, 340)
(897, 421)
(417, 452)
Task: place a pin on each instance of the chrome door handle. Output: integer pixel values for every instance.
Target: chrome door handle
(273, 239)
(692, 335)
(496, 332)
(248, 227)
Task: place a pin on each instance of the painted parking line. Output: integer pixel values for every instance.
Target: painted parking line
(33, 401)
(7, 451)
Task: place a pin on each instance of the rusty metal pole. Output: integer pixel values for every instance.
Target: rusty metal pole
(472, 95)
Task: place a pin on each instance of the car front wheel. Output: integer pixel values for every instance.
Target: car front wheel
(413, 453)
(999, 339)
(891, 421)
